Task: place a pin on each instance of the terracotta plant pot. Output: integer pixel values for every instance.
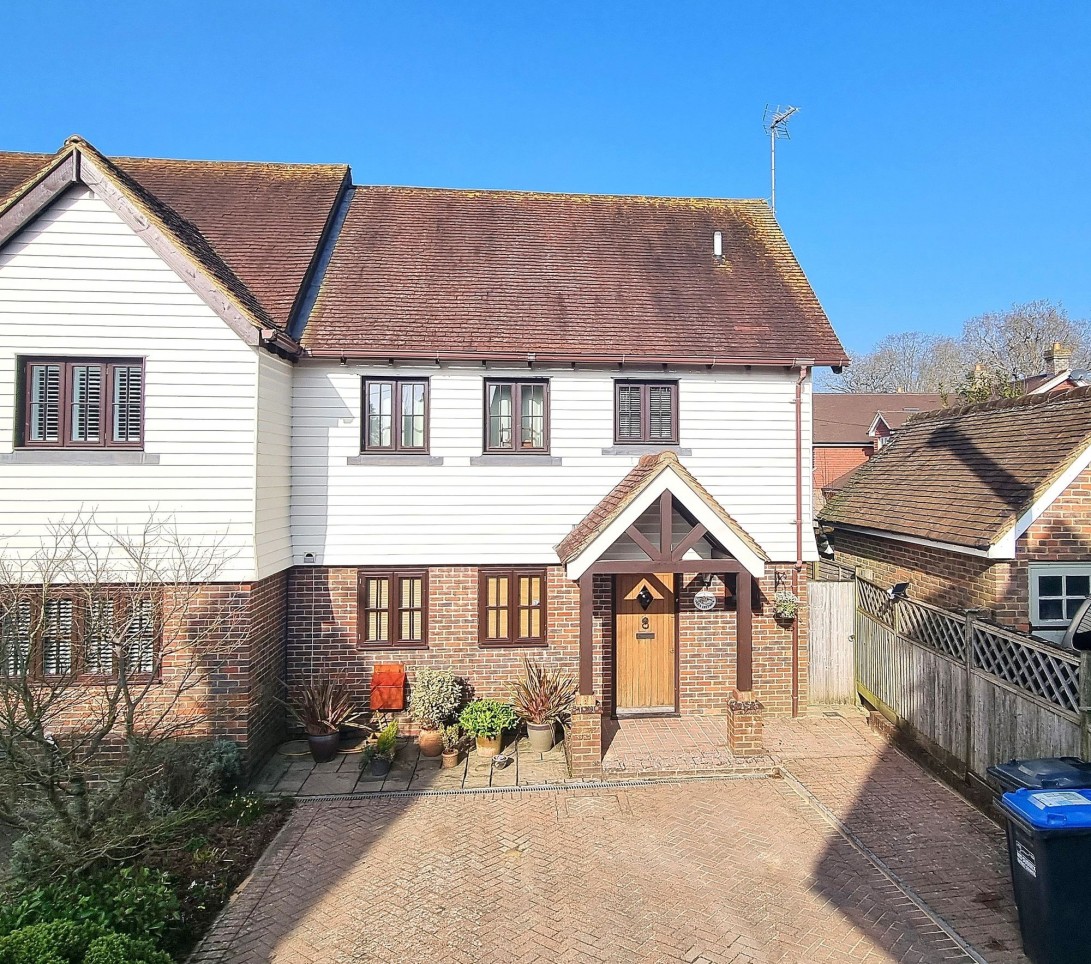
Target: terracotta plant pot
(540, 736)
(380, 766)
(324, 746)
(430, 742)
(450, 759)
(488, 745)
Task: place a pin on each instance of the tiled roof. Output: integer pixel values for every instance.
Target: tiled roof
(965, 475)
(422, 272)
(622, 494)
(846, 418)
(254, 226)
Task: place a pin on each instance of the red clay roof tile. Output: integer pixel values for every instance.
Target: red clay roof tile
(464, 273)
(965, 475)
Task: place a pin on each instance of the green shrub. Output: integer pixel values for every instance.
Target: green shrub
(68, 942)
(488, 718)
(435, 696)
(192, 772)
(135, 901)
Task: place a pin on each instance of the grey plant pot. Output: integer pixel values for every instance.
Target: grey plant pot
(323, 747)
(380, 766)
(541, 736)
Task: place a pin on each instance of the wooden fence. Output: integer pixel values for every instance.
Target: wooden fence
(978, 693)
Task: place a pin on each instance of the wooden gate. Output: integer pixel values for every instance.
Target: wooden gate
(832, 610)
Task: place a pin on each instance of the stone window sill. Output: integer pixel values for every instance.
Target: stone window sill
(77, 457)
(643, 448)
(393, 458)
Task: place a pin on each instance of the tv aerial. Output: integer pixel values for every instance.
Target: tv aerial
(776, 126)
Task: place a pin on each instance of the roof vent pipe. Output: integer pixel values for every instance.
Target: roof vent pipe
(718, 243)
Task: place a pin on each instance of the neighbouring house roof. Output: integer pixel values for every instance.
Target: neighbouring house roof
(845, 419)
(628, 491)
(501, 274)
(254, 227)
(970, 476)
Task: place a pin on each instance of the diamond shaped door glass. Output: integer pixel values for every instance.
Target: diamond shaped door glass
(645, 598)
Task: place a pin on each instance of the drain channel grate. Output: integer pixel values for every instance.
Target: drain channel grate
(543, 788)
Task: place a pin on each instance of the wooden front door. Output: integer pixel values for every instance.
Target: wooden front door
(644, 643)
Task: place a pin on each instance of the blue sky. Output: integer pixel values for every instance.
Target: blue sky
(940, 165)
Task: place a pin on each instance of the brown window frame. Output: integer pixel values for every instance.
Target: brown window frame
(393, 608)
(513, 573)
(78, 639)
(395, 445)
(67, 363)
(517, 385)
(645, 411)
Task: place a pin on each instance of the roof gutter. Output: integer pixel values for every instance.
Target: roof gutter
(279, 342)
(573, 358)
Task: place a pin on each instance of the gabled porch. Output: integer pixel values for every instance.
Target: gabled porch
(676, 638)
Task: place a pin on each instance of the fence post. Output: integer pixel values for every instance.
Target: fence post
(1085, 704)
(968, 691)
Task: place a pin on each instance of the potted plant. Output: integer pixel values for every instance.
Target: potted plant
(542, 698)
(486, 720)
(785, 605)
(323, 707)
(452, 743)
(380, 754)
(433, 701)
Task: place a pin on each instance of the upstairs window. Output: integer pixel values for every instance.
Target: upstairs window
(517, 416)
(82, 403)
(395, 415)
(646, 412)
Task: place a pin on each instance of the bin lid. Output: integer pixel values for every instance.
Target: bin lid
(1050, 809)
(1052, 773)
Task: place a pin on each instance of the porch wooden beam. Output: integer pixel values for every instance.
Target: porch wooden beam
(587, 630)
(696, 534)
(668, 565)
(666, 524)
(744, 630)
(644, 543)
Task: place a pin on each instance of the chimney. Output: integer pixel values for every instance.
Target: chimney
(1058, 359)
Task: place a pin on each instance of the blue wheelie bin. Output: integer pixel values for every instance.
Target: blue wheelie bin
(1049, 844)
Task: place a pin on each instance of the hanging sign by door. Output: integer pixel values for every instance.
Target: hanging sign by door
(704, 600)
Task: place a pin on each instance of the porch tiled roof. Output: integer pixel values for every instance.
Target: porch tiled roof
(622, 495)
(965, 475)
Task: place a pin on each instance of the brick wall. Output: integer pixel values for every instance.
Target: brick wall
(831, 462)
(221, 660)
(322, 637)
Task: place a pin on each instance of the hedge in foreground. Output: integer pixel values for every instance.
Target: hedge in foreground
(68, 942)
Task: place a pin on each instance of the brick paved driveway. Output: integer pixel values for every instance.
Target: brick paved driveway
(715, 870)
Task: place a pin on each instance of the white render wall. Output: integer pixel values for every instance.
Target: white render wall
(79, 281)
(740, 426)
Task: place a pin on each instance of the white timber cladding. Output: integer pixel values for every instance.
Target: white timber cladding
(737, 436)
(78, 281)
(273, 469)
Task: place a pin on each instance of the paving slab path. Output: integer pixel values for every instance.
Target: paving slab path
(857, 856)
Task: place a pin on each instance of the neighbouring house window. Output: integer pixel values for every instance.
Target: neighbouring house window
(82, 403)
(72, 636)
(1056, 593)
(393, 607)
(15, 629)
(512, 608)
(646, 412)
(395, 415)
(516, 416)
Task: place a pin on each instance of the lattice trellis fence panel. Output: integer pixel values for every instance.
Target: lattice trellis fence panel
(873, 601)
(1051, 675)
(931, 627)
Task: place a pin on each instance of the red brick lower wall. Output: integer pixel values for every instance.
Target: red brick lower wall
(322, 638)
